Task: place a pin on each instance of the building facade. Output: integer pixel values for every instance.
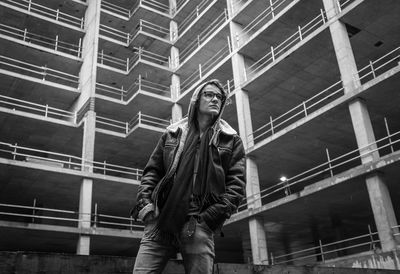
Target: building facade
(87, 88)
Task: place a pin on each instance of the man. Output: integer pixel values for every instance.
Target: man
(193, 181)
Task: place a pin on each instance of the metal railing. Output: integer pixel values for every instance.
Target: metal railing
(149, 28)
(49, 158)
(126, 127)
(263, 18)
(41, 10)
(137, 86)
(191, 18)
(300, 111)
(325, 170)
(44, 215)
(43, 41)
(379, 66)
(126, 38)
(129, 63)
(286, 45)
(369, 72)
(323, 252)
(129, 12)
(208, 32)
(206, 68)
(43, 73)
(38, 109)
(111, 221)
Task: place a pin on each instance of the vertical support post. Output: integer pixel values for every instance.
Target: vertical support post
(388, 134)
(272, 125)
(80, 47)
(56, 44)
(271, 4)
(57, 14)
(371, 237)
(46, 110)
(95, 220)
(321, 250)
(305, 109)
(323, 16)
(272, 54)
(15, 152)
(329, 162)
(200, 71)
(371, 65)
(299, 30)
(25, 31)
(33, 210)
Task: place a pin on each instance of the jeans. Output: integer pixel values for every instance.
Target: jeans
(197, 251)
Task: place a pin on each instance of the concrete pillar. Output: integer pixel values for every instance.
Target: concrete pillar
(258, 241)
(172, 7)
(382, 208)
(175, 91)
(379, 195)
(85, 210)
(252, 184)
(87, 79)
(258, 238)
(90, 47)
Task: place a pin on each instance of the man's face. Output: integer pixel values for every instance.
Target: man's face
(210, 100)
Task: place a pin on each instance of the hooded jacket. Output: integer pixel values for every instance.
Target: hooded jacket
(163, 162)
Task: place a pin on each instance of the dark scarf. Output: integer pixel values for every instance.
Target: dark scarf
(174, 210)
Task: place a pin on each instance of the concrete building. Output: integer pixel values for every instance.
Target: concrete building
(87, 88)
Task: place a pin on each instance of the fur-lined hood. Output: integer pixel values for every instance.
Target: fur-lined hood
(219, 124)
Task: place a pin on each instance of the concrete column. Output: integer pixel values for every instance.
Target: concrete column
(176, 112)
(85, 210)
(87, 80)
(252, 184)
(382, 207)
(175, 91)
(258, 238)
(379, 195)
(172, 7)
(258, 241)
(90, 47)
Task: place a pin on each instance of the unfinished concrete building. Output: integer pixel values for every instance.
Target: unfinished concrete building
(87, 88)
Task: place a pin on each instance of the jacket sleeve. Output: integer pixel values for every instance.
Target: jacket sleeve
(235, 187)
(152, 174)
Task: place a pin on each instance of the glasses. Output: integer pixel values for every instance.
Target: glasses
(209, 95)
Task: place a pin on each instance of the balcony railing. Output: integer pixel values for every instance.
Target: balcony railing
(127, 127)
(262, 19)
(45, 215)
(37, 9)
(129, 63)
(184, 25)
(286, 45)
(37, 109)
(369, 72)
(324, 252)
(43, 41)
(380, 65)
(298, 112)
(53, 159)
(385, 145)
(138, 85)
(127, 38)
(42, 73)
(206, 68)
(129, 12)
(203, 36)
